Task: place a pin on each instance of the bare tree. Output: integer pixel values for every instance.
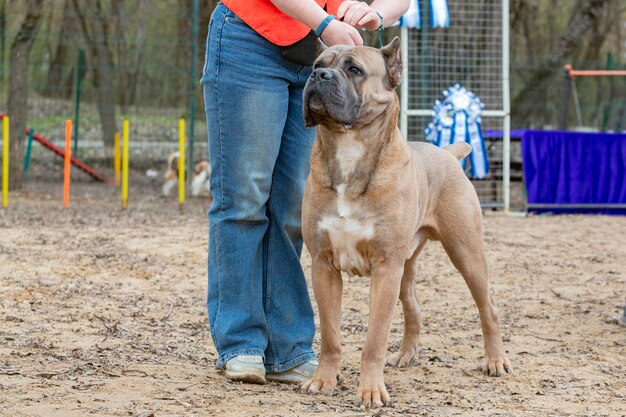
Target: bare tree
(17, 102)
(129, 66)
(100, 60)
(3, 26)
(53, 86)
(585, 14)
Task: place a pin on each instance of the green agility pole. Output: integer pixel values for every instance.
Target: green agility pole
(29, 147)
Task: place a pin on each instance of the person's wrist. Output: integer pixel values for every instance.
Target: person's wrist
(381, 26)
(323, 25)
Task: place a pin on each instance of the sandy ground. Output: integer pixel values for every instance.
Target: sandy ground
(102, 313)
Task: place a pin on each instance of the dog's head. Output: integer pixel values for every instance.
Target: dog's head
(351, 86)
(202, 166)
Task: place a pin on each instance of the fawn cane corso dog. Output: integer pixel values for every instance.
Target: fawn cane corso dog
(372, 201)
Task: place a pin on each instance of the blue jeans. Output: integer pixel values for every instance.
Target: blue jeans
(258, 302)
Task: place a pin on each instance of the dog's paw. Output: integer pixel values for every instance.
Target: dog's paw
(373, 395)
(496, 365)
(322, 383)
(402, 358)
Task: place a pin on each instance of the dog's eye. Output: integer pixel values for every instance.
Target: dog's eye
(355, 71)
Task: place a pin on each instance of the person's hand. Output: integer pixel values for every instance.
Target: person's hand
(339, 33)
(359, 15)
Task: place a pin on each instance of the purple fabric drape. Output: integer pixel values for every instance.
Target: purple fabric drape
(575, 168)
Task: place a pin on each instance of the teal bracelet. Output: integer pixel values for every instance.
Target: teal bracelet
(323, 24)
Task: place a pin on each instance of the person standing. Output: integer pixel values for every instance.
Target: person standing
(257, 63)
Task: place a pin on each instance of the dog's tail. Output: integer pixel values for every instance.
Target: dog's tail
(460, 150)
(172, 166)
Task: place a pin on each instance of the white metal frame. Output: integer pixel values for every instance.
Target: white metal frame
(504, 112)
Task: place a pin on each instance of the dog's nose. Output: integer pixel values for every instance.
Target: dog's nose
(321, 74)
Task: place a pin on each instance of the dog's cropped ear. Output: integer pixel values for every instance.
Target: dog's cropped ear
(393, 61)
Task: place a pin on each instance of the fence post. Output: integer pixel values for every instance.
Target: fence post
(404, 85)
(29, 147)
(425, 58)
(565, 100)
(506, 106)
(192, 84)
(79, 69)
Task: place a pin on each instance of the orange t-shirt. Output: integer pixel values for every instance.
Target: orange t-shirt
(268, 21)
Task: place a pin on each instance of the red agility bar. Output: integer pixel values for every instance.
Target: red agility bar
(593, 73)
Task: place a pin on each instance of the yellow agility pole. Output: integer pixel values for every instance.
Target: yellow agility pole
(5, 161)
(125, 164)
(181, 162)
(116, 158)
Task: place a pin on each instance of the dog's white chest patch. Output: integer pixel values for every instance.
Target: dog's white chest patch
(349, 152)
(345, 231)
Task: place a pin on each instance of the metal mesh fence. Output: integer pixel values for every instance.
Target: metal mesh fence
(469, 52)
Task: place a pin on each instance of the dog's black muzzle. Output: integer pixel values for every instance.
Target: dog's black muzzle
(329, 97)
(321, 75)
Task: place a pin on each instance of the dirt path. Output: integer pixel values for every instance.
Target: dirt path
(103, 313)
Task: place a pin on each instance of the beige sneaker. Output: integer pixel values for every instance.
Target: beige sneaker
(246, 368)
(296, 375)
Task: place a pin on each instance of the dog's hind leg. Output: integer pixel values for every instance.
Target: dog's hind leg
(407, 354)
(197, 183)
(464, 246)
(168, 186)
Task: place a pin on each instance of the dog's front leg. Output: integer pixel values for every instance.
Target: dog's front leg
(328, 287)
(384, 291)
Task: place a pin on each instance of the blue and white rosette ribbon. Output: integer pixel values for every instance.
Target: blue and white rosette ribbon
(457, 119)
(412, 19)
(439, 15)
